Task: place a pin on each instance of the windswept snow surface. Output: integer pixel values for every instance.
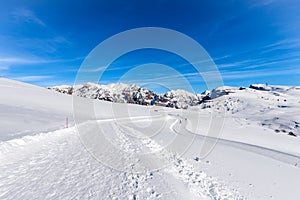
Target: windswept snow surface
(41, 159)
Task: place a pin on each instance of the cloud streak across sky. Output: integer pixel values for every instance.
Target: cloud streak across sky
(28, 16)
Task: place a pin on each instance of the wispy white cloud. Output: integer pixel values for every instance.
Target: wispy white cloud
(19, 60)
(221, 25)
(272, 63)
(238, 63)
(282, 45)
(240, 74)
(93, 69)
(46, 42)
(285, 44)
(3, 68)
(105, 68)
(28, 16)
(227, 75)
(260, 3)
(31, 78)
(258, 73)
(33, 60)
(264, 56)
(8, 64)
(258, 63)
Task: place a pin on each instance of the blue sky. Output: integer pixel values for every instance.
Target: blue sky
(251, 41)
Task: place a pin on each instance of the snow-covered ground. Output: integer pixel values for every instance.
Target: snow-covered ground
(255, 157)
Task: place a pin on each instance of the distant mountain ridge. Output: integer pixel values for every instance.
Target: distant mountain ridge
(134, 94)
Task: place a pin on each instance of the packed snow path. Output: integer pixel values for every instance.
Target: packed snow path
(56, 165)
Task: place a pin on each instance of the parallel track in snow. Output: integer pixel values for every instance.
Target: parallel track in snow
(267, 152)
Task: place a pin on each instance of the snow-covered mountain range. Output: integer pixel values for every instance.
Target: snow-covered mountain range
(134, 94)
(124, 93)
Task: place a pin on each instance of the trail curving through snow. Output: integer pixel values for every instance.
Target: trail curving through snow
(55, 165)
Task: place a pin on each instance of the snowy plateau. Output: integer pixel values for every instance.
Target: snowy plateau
(256, 155)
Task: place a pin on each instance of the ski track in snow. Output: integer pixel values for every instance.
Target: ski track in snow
(55, 165)
(199, 184)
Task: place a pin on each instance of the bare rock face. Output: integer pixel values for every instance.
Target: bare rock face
(179, 99)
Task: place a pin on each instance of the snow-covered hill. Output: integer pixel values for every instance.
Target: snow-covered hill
(272, 107)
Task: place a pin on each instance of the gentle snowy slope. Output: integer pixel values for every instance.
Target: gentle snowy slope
(274, 108)
(27, 109)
